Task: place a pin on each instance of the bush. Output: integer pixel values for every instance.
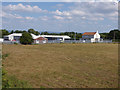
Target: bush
(73, 42)
(117, 40)
(15, 43)
(26, 38)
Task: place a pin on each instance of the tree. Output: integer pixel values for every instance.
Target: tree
(78, 36)
(33, 31)
(61, 33)
(26, 38)
(3, 32)
(37, 33)
(114, 34)
(18, 31)
(11, 32)
(104, 35)
(46, 33)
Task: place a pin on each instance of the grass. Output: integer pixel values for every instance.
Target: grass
(10, 81)
(5, 55)
(64, 65)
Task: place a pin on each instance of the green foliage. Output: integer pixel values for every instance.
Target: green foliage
(114, 34)
(78, 36)
(116, 40)
(73, 42)
(33, 31)
(12, 81)
(3, 32)
(18, 31)
(104, 35)
(5, 55)
(15, 43)
(11, 32)
(26, 38)
(45, 33)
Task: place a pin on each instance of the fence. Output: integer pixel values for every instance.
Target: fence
(10, 42)
(78, 41)
(66, 41)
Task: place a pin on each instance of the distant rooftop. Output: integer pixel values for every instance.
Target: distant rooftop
(89, 33)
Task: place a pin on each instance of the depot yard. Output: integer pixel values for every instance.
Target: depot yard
(64, 65)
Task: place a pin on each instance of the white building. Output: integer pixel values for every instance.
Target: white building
(16, 37)
(56, 37)
(13, 37)
(52, 37)
(93, 36)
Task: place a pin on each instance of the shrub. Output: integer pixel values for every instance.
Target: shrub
(15, 43)
(26, 38)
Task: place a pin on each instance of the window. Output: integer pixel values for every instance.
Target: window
(17, 38)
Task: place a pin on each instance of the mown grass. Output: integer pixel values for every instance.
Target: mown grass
(10, 81)
(64, 65)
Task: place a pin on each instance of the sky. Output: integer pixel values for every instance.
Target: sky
(60, 16)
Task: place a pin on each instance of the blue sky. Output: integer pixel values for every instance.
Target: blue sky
(60, 16)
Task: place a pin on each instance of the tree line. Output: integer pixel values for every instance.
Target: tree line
(112, 35)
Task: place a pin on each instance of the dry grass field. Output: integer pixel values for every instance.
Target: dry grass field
(64, 65)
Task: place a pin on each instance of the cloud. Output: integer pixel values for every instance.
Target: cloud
(29, 18)
(69, 17)
(23, 8)
(44, 18)
(58, 17)
(15, 16)
(90, 10)
(83, 17)
(10, 16)
(19, 17)
(77, 12)
(96, 18)
(65, 13)
(94, 10)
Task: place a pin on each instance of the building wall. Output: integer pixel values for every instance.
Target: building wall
(87, 36)
(40, 41)
(11, 38)
(96, 38)
(97, 35)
